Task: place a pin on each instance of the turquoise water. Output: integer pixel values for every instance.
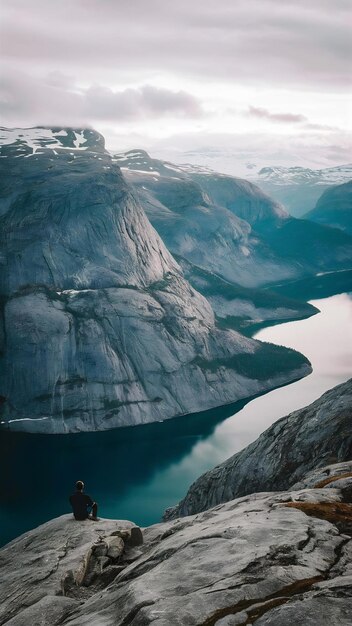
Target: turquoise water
(135, 473)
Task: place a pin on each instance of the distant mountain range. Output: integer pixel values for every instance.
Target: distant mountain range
(299, 188)
(228, 226)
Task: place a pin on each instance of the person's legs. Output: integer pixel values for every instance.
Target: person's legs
(94, 510)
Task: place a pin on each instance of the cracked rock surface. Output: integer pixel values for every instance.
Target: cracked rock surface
(254, 560)
(64, 560)
(282, 455)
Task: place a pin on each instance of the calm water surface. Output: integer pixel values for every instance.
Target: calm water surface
(135, 473)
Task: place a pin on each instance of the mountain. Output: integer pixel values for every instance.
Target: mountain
(281, 456)
(267, 559)
(241, 307)
(100, 329)
(334, 208)
(228, 226)
(299, 188)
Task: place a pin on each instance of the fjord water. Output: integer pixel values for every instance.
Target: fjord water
(135, 473)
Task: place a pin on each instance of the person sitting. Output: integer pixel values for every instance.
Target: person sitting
(82, 504)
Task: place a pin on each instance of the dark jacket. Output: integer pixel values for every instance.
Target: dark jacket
(80, 503)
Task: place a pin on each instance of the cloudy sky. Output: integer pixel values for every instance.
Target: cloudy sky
(228, 82)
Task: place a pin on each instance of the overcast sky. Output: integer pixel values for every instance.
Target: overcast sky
(252, 79)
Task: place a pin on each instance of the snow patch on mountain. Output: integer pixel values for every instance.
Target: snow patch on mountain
(39, 139)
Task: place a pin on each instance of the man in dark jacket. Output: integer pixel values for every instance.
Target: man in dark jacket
(82, 504)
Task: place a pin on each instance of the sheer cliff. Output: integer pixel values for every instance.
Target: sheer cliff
(99, 326)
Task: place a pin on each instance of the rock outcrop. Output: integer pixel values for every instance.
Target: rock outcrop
(230, 227)
(302, 441)
(99, 327)
(240, 307)
(268, 558)
(334, 208)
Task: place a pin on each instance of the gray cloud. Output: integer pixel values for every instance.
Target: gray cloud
(145, 102)
(283, 118)
(258, 41)
(288, 118)
(78, 62)
(57, 99)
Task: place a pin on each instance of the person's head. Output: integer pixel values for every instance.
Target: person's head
(79, 485)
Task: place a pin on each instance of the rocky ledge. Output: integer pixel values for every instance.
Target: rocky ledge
(282, 455)
(268, 558)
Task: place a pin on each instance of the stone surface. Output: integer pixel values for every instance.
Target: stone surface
(334, 208)
(54, 559)
(337, 476)
(100, 327)
(251, 560)
(48, 611)
(326, 476)
(282, 455)
(115, 547)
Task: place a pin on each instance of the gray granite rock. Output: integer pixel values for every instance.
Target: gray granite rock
(337, 476)
(239, 307)
(334, 208)
(229, 226)
(334, 473)
(282, 455)
(100, 327)
(245, 561)
(48, 611)
(50, 560)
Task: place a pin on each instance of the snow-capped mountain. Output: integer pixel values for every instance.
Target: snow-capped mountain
(301, 175)
(299, 188)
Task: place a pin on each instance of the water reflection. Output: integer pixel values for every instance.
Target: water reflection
(39, 470)
(326, 339)
(135, 473)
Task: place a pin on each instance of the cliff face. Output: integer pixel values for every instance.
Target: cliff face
(306, 439)
(99, 327)
(200, 218)
(334, 208)
(278, 559)
(230, 227)
(68, 219)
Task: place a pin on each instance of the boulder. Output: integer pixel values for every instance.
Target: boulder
(60, 558)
